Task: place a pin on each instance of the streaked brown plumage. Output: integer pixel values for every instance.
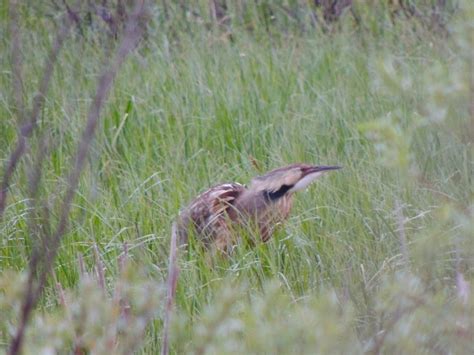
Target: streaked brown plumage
(215, 214)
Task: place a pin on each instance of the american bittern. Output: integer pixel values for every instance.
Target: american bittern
(214, 214)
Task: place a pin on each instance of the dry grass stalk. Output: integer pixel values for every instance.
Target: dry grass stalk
(173, 273)
(44, 254)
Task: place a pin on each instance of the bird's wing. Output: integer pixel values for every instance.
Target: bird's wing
(207, 213)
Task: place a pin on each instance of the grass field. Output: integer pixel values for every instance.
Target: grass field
(185, 115)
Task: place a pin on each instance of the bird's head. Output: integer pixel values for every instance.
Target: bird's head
(288, 179)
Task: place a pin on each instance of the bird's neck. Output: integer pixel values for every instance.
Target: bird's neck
(259, 202)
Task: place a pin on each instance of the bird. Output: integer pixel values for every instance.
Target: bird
(215, 216)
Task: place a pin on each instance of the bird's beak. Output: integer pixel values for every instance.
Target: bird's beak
(309, 175)
(320, 169)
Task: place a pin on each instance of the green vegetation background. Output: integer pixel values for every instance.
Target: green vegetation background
(195, 106)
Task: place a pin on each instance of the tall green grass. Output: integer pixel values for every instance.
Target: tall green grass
(187, 114)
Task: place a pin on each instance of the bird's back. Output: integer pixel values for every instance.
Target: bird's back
(208, 215)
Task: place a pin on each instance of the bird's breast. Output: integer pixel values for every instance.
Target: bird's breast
(283, 206)
(274, 213)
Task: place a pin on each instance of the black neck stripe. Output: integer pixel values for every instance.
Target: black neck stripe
(275, 195)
